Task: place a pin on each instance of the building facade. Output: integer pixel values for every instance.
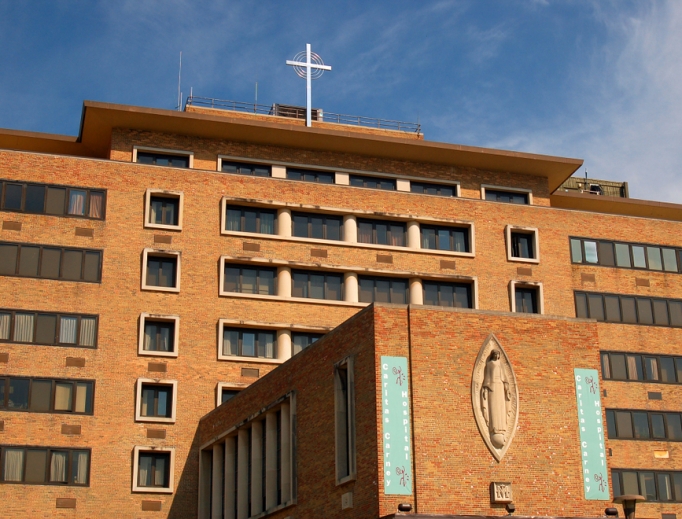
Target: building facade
(161, 262)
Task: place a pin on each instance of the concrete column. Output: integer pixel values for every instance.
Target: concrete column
(350, 287)
(243, 470)
(205, 484)
(284, 282)
(256, 467)
(217, 485)
(286, 453)
(416, 292)
(413, 235)
(230, 495)
(270, 461)
(350, 229)
(284, 223)
(284, 344)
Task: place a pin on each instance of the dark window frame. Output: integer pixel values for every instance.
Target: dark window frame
(156, 154)
(49, 450)
(630, 245)
(325, 225)
(577, 294)
(242, 218)
(382, 183)
(239, 166)
(258, 270)
(642, 357)
(155, 320)
(454, 285)
(156, 255)
(79, 318)
(389, 233)
(391, 281)
(649, 424)
(507, 192)
(536, 297)
(256, 345)
(88, 194)
(425, 185)
(310, 175)
(155, 455)
(4, 404)
(311, 337)
(325, 288)
(157, 386)
(617, 473)
(452, 241)
(62, 250)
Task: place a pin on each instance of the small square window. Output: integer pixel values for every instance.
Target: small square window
(159, 335)
(153, 469)
(522, 244)
(226, 391)
(156, 400)
(161, 270)
(526, 297)
(163, 209)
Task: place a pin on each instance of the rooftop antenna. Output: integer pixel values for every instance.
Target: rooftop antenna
(179, 78)
(312, 68)
(255, 102)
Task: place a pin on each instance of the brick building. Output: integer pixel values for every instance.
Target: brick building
(161, 262)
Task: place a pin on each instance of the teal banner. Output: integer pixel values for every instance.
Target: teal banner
(395, 410)
(592, 450)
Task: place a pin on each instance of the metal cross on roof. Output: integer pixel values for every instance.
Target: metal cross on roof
(312, 68)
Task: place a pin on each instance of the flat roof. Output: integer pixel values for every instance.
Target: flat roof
(98, 119)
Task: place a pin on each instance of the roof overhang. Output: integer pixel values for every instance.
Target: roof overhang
(616, 205)
(99, 119)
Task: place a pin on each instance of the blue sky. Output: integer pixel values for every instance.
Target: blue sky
(598, 80)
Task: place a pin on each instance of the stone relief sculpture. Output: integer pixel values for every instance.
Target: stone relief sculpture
(495, 397)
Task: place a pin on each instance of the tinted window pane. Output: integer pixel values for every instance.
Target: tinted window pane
(591, 252)
(638, 259)
(8, 259)
(41, 392)
(678, 368)
(669, 260)
(618, 366)
(596, 306)
(667, 366)
(657, 426)
(35, 199)
(605, 367)
(675, 308)
(36, 462)
(615, 481)
(674, 426)
(660, 312)
(654, 257)
(576, 251)
(641, 422)
(606, 254)
(56, 200)
(46, 329)
(28, 261)
(677, 482)
(630, 485)
(91, 268)
(623, 255)
(651, 367)
(581, 306)
(49, 264)
(644, 312)
(611, 424)
(18, 393)
(627, 305)
(664, 490)
(612, 308)
(635, 371)
(13, 193)
(647, 485)
(72, 262)
(624, 424)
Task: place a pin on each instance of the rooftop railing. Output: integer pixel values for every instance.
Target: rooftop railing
(296, 112)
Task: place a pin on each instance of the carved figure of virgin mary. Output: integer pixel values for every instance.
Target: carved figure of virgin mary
(495, 398)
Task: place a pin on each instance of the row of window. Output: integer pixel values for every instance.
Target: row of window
(649, 368)
(643, 425)
(43, 395)
(29, 197)
(48, 328)
(629, 309)
(625, 255)
(654, 485)
(50, 262)
(251, 342)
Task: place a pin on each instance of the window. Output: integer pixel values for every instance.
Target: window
(256, 170)
(381, 233)
(641, 367)
(44, 395)
(526, 297)
(629, 309)
(159, 335)
(300, 341)
(156, 400)
(433, 189)
(52, 199)
(46, 261)
(161, 270)
(344, 405)
(372, 182)
(510, 196)
(163, 209)
(248, 342)
(318, 226)
(383, 290)
(227, 391)
(153, 469)
(458, 295)
(654, 485)
(643, 425)
(522, 244)
(250, 219)
(175, 159)
(45, 465)
(49, 329)
(625, 255)
(249, 280)
(265, 483)
(322, 177)
(317, 285)
(445, 238)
